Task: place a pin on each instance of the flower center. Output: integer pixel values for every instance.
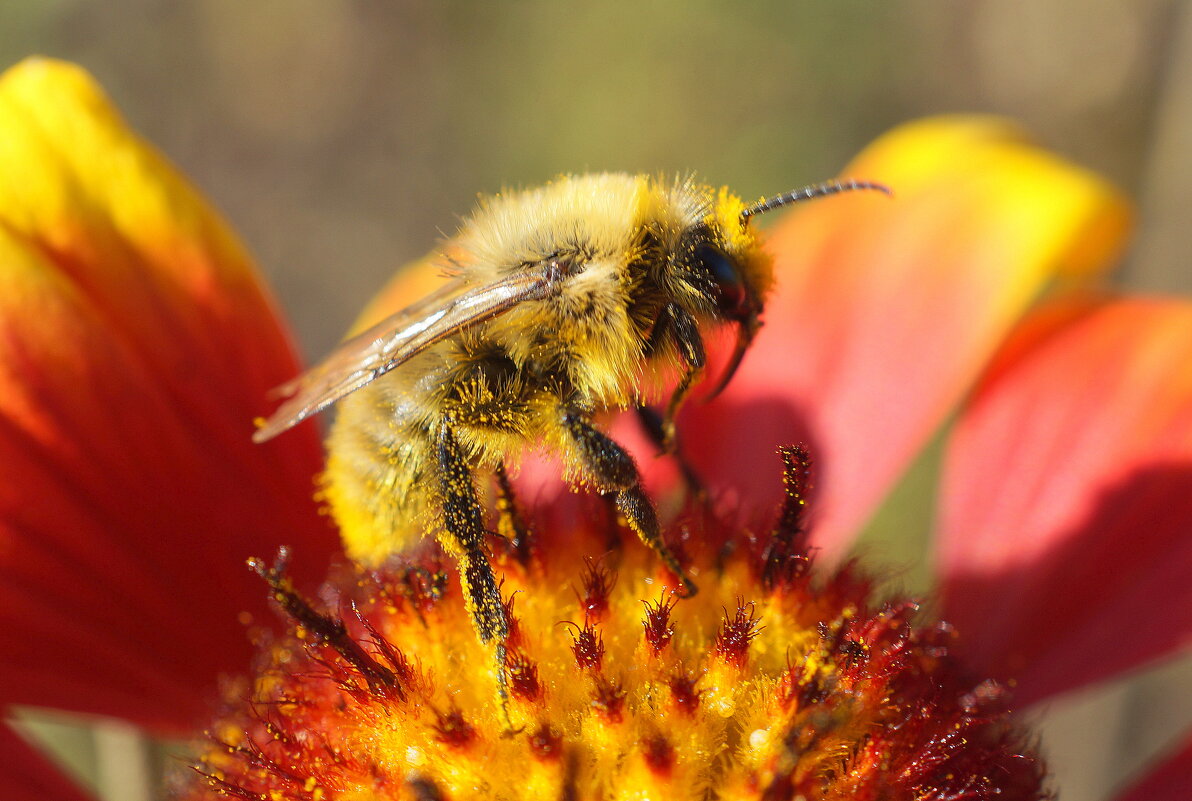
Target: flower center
(776, 682)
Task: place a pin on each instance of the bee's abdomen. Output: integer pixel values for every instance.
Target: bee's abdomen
(380, 470)
(382, 478)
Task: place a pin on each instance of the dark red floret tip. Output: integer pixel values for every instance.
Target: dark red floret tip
(608, 699)
(452, 729)
(523, 677)
(657, 623)
(737, 632)
(683, 692)
(588, 646)
(659, 754)
(545, 743)
(598, 582)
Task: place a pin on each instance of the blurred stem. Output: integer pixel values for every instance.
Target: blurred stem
(123, 769)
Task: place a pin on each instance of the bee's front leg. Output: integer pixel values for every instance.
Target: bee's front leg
(652, 423)
(676, 323)
(612, 469)
(463, 519)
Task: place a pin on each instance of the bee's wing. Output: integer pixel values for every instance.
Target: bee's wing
(398, 338)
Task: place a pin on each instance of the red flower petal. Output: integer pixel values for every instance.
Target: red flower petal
(27, 774)
(136, 346)
(1067, 497)
(1170, 781)
(886, 309)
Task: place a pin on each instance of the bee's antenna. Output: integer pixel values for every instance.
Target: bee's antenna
(810, 192)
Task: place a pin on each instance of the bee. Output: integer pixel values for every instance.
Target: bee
(562, 303)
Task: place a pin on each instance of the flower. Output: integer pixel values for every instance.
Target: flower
(124, 286)
(768, 684)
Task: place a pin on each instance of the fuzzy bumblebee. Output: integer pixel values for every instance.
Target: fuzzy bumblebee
(564, 302)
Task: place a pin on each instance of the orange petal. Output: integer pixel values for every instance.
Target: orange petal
(410, 284)
(1169, 781)
(27, 774)
(886, 308)
(1067, 497)
(136, 346)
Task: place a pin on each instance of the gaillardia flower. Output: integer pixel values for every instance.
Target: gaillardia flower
(139, 345)
(772, 683)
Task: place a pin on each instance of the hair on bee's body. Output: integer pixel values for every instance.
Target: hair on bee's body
(541, 371)
(506, 383)
(564, 302)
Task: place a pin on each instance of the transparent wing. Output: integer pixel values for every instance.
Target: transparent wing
(398, 338)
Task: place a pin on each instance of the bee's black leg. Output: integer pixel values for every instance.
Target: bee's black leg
(676, 323)
(613, 471)
(463, 518)
(510, 523)
(651, 422)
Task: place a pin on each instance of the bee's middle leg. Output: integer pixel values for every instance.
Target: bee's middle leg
(614, 472)
(463, 517)
(510, 523)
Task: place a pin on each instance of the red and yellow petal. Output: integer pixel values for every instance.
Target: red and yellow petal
(136, 347)
(886, 308)
(1067, 492)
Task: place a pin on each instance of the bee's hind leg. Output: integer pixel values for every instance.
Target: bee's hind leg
(613, 471)
(463, 518)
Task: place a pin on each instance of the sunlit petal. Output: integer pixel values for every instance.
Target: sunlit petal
(886, 308)
(1067, 495)
(410, 284)
(136, 346)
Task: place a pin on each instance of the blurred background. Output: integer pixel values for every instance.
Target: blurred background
(342, 138)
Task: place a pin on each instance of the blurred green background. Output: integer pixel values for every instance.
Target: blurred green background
(343, 137)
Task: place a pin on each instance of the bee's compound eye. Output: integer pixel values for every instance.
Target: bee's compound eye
(730, 288)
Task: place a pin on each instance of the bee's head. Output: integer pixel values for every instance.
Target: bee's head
(741, 271)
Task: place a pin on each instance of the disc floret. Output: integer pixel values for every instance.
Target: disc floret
(778, 681)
